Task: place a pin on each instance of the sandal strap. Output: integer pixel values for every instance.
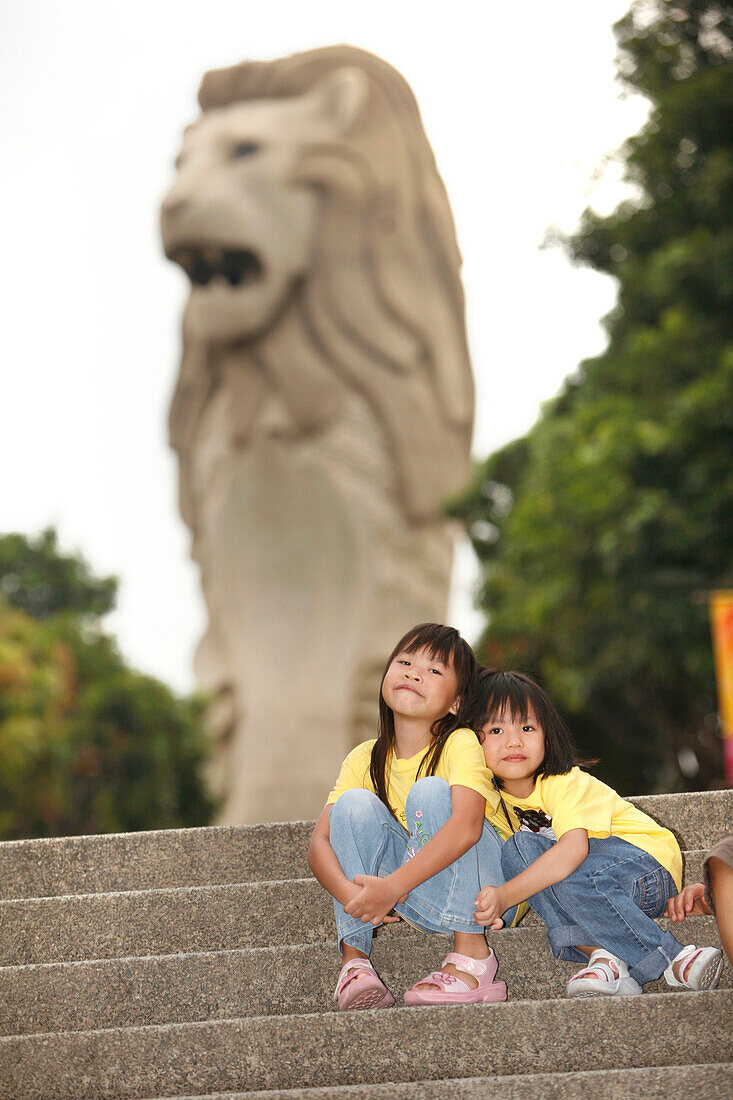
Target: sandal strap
(687, 956)
(447, 983)
(351, 970)
(600, 969)
(467, 964)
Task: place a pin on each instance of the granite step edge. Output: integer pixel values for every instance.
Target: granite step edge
(260, 981)
(657, 1083)
(52, 866)
(266, 1053)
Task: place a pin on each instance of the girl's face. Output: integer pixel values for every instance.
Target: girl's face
(416, 685)
(514, 750)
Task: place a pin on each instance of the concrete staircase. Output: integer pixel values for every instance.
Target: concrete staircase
(201, 963)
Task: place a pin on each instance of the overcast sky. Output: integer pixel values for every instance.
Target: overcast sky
(520, 105)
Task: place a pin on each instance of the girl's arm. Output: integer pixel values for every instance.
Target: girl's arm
(324, 863)
(462, 830)
(552, 866)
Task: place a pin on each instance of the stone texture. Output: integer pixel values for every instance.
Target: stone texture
(212, 856)
(163, 922)
(466, 1041)
(709, 1082)
(265, 981)
(166, 922)
(153, 860)
(697, 818)
(324, 407)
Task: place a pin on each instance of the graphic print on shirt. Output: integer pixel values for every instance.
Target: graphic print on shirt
(535, 821)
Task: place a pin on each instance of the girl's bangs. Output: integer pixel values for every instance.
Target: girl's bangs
(441, 642)
(510, 698)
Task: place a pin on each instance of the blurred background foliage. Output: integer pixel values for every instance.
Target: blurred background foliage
(600, 532)
(87, 745)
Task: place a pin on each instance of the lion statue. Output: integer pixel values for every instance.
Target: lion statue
(324, 407)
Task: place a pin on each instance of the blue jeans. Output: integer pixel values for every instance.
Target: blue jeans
(368, 840)
(609, 901)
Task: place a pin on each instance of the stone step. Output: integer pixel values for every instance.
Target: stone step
(235, 854)
(395, 1045)
(266, 981)
(210, 856)
(168, 922)
(708, 1082)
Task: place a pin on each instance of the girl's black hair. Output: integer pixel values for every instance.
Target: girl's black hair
(514, 696)
(446, 645)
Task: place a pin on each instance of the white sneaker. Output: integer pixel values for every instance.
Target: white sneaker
(701, 970)
(605, 975)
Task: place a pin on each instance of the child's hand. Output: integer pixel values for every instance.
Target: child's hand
(375, 901)
(690, 902)
(489, 907)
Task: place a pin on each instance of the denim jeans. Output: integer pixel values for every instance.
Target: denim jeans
(609, 901)
(367, 840)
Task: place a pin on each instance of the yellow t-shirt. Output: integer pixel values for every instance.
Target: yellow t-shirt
(578, 800)
(461, 764)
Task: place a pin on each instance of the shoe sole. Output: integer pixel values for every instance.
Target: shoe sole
(710, 975)
(370, 998)
(497, 991)
(707, 978)
(616, 989)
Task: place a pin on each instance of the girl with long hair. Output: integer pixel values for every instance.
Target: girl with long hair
(404, 834)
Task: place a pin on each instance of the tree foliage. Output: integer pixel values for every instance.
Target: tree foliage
(37, 578)
(87, 744)
(602, 530)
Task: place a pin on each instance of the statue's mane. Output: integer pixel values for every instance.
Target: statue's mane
(383, 303)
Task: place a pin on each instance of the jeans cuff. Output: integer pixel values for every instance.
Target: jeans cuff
(427, 919)
(356, 934)
(653, 965)
(563, 938)
(361, 940)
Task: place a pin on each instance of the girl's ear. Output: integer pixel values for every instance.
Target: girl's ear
(453, 708)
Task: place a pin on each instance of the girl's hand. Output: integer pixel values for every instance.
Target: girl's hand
(490, 905)
(690, 902)
(375, 900)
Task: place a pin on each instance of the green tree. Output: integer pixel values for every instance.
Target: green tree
(600, 532)
(87, 744)
(37, 578)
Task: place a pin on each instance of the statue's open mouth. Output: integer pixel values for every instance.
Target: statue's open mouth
(237, 266)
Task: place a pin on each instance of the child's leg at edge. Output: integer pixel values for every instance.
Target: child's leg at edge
(721, 888)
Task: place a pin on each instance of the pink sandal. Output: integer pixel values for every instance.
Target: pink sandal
(452, 990)
(359, 986)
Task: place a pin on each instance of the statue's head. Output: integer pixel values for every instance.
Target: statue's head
(240, 219)
(308, 182)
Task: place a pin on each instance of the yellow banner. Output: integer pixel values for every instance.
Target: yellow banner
(721, 617)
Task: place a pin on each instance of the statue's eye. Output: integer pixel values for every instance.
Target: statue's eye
(178, 161)
(245, 149)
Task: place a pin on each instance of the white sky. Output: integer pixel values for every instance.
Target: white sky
(520, 105)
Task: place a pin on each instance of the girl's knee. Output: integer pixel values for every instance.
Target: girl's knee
(511, 861)
(430, 792)
(353, 805)
(521, 849)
